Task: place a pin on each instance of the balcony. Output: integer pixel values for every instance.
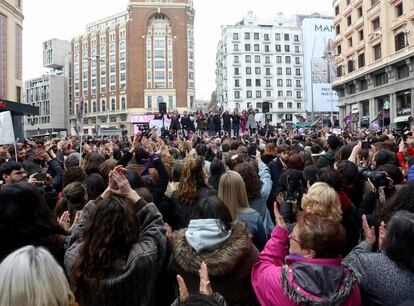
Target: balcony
(268, 64)
(375, 9)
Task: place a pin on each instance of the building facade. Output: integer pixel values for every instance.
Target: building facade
(375, 61)
(50, 92)
(126, 64)
(262, 60)
(11, 50)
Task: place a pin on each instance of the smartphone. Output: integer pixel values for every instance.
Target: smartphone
(40, 176)
(366, 145)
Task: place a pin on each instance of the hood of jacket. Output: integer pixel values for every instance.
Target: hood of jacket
(220, 260)
(321, 281)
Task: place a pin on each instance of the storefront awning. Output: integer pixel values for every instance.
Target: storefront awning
(18, 109)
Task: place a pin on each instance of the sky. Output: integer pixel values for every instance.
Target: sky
(64, 19)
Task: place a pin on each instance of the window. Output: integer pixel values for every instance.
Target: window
(352, 88)
(256, 36)
(339, 71)
(103, 106)
(289, 83)
(377, 52)
(288, 71)
(286, 37)
(298, 84)
(351, 66)
(289, 105)
(268, 84)
(248, 70)
(381, 79)
(279, 82)
(337, 10)
(399, 9)
(287, 59)
(267, 48)
(149, 101)
(246, 35)
(257, 70)
(297, 60)
(113, 104)
(402, 71)
(236, 47)
(267, 60)
(297, 71)
(296, 38)
(361, 35)
(277, 36)
(376, 24)
(236, 71)
(123, 103)
(280, 105)
(266, 37)
(280, 93)
(237, 83)
(249, 94)
(268, 93)
(248, 59)
(267, 71)
(256, 47)
(339, 49)
(361, 60)
(278, 59)
(258, 94)
(349, 20)
(289, 93)
(287, 48)
(258, 83)
(170, 101)
(235, 36)
(94, 106)
(297, 50)
(399, 41)
(237, 94)
(338, 29)
(248, 82)
(278, 48)
(236, 59)
(363, 84)
(257, 58)
(247, 47)
(299, 95)
(279, 71)
(359, 11)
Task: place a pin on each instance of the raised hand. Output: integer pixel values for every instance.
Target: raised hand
(382, 235)
(369, 232)
(205, 285)
(278, 217)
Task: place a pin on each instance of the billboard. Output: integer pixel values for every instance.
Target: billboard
(319, 64)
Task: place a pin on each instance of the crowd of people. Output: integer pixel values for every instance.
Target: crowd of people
(291, 217)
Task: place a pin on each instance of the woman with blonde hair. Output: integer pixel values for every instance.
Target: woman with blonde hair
(192, 187)
(232, 192)
(31, 276)
(323, 201)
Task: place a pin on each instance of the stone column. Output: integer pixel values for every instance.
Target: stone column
(393, 107)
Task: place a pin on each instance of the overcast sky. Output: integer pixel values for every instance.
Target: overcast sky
(62, 19)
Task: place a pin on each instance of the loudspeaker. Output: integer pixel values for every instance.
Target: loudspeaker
(265, 107)
(162, 107)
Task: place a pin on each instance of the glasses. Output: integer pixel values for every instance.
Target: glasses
(293, 238)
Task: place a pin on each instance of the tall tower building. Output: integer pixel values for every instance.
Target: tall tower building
(128, 63)
(375, 61)
(262, 60)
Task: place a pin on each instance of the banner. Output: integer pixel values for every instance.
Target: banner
(6, 129)
(319, 64)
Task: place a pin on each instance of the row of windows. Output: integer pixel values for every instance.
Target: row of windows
(257, 59)
(256, 47)
(266, 36)
(122, 106)
(280, 105)
(280, 93)
(160, 99)
(258, 83)
(258, 71)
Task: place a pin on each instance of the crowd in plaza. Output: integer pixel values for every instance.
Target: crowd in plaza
(224, 212)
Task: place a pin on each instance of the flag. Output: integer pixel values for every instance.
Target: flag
(79, 115)
(300, 118)
(348, 119)
(380, 116)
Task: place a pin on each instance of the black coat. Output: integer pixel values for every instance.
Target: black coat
(226, 121)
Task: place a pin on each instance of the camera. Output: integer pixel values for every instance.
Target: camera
(378, 178)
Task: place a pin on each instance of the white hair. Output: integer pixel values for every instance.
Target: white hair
(31, 276)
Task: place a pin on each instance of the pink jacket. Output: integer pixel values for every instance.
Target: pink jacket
(274, 282)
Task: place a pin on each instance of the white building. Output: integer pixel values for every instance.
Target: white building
(262, 60)
(50, 92)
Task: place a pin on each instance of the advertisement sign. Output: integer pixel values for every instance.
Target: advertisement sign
(320, 70)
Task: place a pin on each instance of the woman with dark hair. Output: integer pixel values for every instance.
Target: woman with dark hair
(74, 198)
(26, 219)
(217, 169)
(191, 188)
(92, 162)
(295, 162)
(122, 243)
(243, 121)
(95, 185)
(383, 157)
(73, 174)
(353, 186)
(387, 277)
(225, 246)
(402, 200)
(305, 267)
(258, 187)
